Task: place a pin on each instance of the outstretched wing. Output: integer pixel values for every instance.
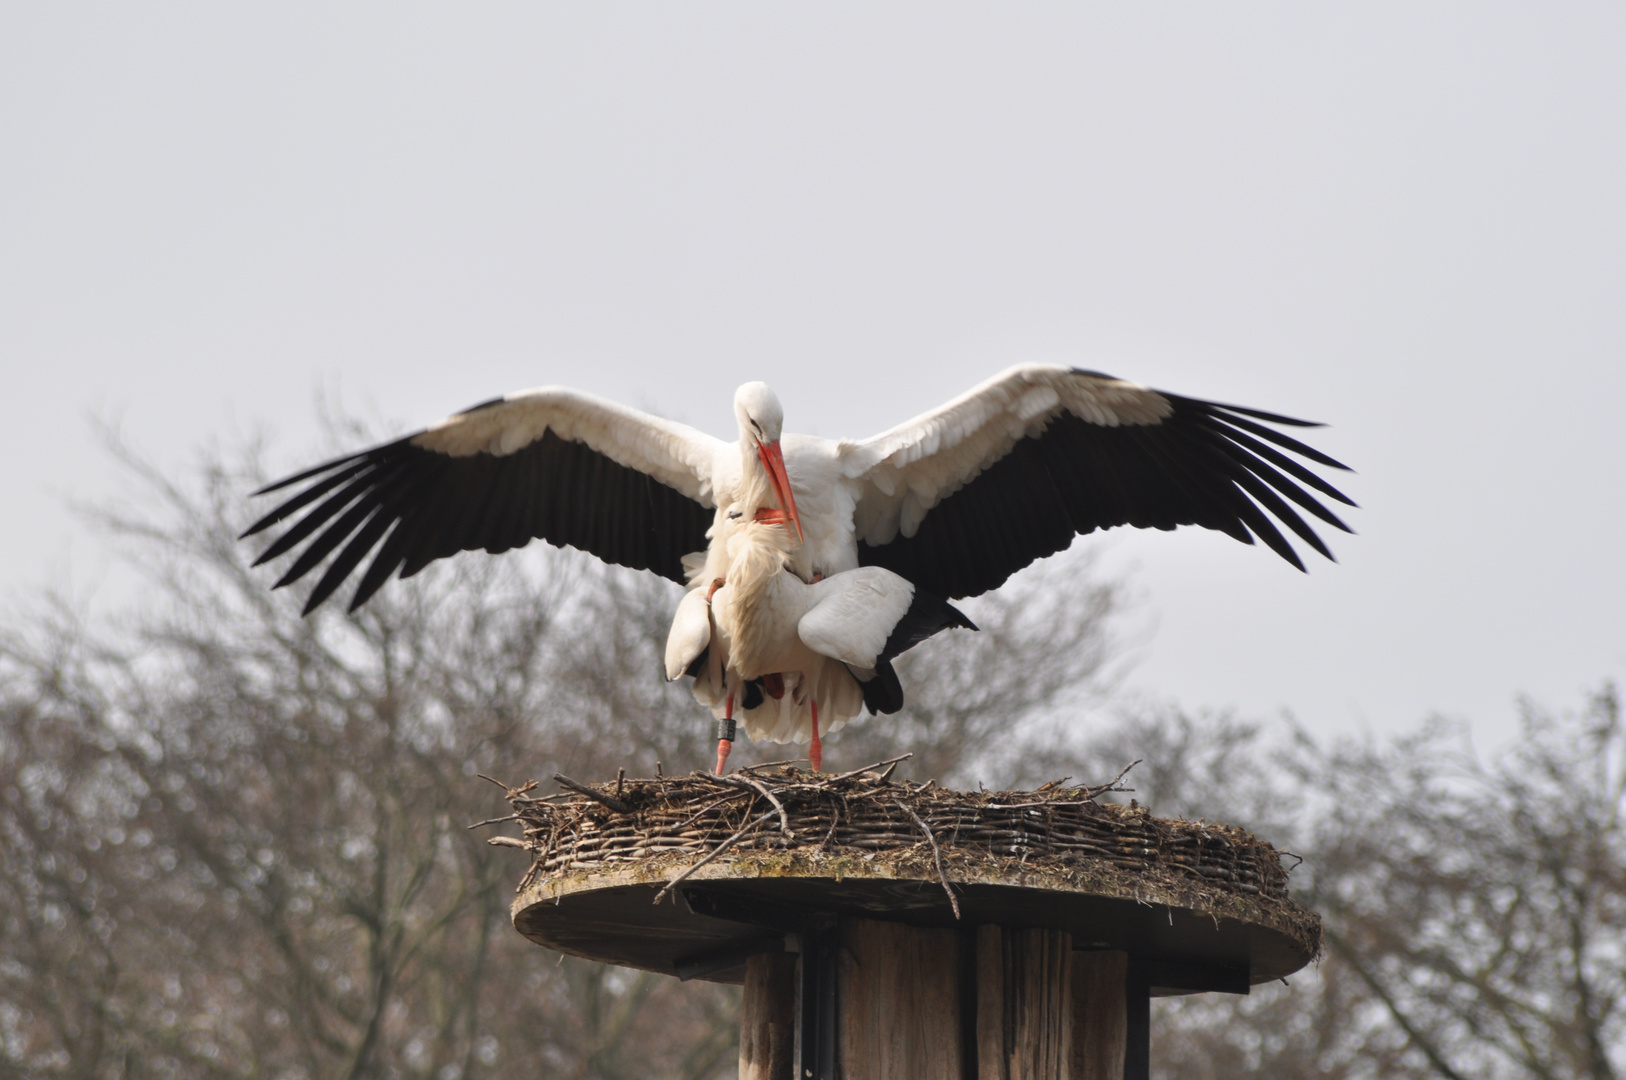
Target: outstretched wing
(960, 498)
(554, 464)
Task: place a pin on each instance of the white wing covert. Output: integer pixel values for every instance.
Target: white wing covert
(690, 634)
(852, 614)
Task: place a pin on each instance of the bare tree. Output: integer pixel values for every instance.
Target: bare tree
(1483, 905)
(235, 839)
(237, 843)
(1475, 912)
(233, 842)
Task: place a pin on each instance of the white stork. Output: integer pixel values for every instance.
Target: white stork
(784, 649)
(953, 501)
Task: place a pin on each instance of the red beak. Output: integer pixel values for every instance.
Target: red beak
(774, 461)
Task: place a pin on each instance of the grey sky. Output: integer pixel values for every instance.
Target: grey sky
(1406, 220)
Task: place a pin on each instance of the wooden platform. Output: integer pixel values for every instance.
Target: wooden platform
(882, 928)
(758, 855)
(733, 908)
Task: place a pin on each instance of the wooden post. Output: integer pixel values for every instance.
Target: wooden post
(1024, 1007)
(898, 1002)
(768, 1018)
(991, 1063)
(891, 977)
(1100, 1014)
(816, 1002)
(886, 1001)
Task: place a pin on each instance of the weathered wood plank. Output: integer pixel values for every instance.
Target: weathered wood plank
(899, 1007)
(768, 1018)
(1099, 1015)
(1024, 1004)
(1038, 1003)
(991, 1060)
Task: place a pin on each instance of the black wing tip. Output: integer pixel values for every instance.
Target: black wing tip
(372, 453)
(1261, 414)
(1227, 423)
(883, 695)
(275, 485)
(313, 471)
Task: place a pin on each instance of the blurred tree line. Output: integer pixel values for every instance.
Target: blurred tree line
(234, 842)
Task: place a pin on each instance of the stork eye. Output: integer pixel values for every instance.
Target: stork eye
(755, 425)
(734, 515)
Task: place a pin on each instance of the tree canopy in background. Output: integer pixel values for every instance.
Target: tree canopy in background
(235, 843)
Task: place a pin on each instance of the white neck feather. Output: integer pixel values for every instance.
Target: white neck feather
(758, 555)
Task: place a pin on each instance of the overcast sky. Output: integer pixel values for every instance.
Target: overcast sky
(1408, 221)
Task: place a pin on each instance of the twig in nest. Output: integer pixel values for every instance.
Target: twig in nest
(1049, 803)
(690, 819)
(512, 792)
(742, 781)
(716, 851)
(494, 821)
(835, 816)
(937, 855)
(610, 801)
(771, 764)
(1112, 785)
(1053, 784)
(867, 768)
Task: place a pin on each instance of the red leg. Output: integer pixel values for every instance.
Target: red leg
(815, 751)
(725, 735)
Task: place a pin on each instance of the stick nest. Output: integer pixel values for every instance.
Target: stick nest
(826, 822)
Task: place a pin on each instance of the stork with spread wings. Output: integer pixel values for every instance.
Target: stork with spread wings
(949, 504)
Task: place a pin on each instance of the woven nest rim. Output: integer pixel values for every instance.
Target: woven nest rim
(786, 824)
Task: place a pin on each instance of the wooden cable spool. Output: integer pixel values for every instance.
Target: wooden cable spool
(894, 930)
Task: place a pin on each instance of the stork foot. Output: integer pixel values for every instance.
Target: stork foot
(716, 583)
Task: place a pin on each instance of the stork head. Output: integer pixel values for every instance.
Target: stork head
(762, 421)
(761, 418)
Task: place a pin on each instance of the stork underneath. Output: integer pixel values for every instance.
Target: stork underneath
(799, 660)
